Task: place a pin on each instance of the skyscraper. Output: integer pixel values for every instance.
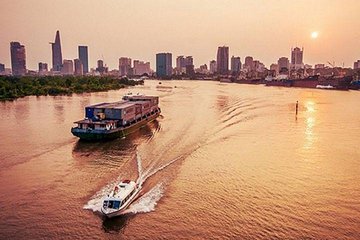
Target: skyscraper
(68, 67)
(235, 64)
(84, 58)
(141, 67)
(180, 64)
(18, 59)
(56, 53)
(124, 66)
(283, 64)
(249, 63)
(164, 64)
(43, 67)
(223, 60)
(101, 68)
(212, 66)
(183, 63)
(79, 67)
(297, 58)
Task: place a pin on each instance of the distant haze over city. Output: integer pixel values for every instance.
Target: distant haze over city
(266, 30)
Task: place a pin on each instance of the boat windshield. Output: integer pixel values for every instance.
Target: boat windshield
(111, 204)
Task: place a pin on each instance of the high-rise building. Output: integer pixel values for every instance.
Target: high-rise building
(141, 68)
(283, 64)
(274, 68)
(235, 64)
(249, 63)
(297, 58)
(67, 67)
(164, 64)
(203, 69)
(100, 64)
(43, 67)
(18, 59)
(212, 66)
(180, 64)
(79, 67)
(184, 62)
(259, 66)
(2, 67)
(101, 68)
(189, 60)
(84, 58)
(223, 60)
(56, 53)
(124, 66)
(357, 64)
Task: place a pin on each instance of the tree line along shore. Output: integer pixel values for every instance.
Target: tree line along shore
(16, 87)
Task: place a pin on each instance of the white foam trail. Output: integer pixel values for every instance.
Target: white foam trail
(148, 201)
(160, 168)
(140, 171)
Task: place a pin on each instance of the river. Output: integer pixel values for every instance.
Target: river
(224, 161)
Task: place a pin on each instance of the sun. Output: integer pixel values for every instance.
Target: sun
(314, 35)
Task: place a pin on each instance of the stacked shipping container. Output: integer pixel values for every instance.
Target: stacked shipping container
(133, 108)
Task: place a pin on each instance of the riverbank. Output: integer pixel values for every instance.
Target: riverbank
(16, 87)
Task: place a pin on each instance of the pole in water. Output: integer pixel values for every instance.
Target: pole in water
(297, 107)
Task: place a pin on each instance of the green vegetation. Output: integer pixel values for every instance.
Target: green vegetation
(16, 87)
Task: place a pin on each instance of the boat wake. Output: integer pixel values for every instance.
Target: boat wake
(146, 203)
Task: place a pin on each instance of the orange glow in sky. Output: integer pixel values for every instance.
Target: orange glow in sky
(139, 29)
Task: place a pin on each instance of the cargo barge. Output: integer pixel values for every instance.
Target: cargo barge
(105, 121)
(342, 83)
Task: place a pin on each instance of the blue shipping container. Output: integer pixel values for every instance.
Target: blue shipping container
(89, 112)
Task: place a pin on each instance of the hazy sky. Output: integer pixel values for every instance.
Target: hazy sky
(264, 29)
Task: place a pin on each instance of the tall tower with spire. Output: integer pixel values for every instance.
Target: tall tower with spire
(56, 53)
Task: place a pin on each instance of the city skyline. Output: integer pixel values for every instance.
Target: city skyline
(263, 30)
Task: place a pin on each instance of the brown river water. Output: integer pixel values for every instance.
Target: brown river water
(224, 161)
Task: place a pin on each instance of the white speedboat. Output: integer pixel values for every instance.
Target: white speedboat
(120, 198)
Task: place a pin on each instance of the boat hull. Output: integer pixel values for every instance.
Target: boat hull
(99, 135)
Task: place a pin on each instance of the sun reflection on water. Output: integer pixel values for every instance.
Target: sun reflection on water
(310, 120)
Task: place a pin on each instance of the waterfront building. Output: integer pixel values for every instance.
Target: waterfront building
(259, 66)
(56, 53)
(357, 64)
(164, 64)
(2, 67)
(283, 64)
(297, 58)
(43, 67)
(222, 60)
(203, 69)
(249, 63)
(235, 65)
(212, 66)
(274, 68)
(84, 58)
(79, 67)
(141, 68)
(125, 66)
(67, 67)
(182, 64)
(190, 70)
(189, 60)
(18, 59)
